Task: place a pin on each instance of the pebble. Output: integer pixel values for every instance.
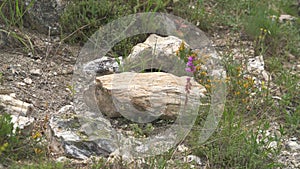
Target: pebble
(27, 80)
(298, 67)
(182, 148)
(191, 158)
(37, 72)
(293, 146)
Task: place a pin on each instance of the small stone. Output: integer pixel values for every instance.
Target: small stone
(298, 67)
(293, 146)
(35, 72)
(272, 145)
(182, 148)
(191, 158)
(61, 159)
(20, 84)
(284, 18)
(28, 80)
(21, 122)
(294, 139)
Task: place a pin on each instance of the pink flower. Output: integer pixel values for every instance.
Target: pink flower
(190, 65)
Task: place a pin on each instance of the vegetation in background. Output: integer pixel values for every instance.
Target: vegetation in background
(12, 17)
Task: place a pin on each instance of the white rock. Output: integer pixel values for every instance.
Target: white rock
(256, 65)
(284, 18)
(182, 148)
(156, 52)
(21, 122)
(298, 67)
(293, 146)
(36, 72)
(191, 158)
(272, 145)
(27, 80)
(15, 106)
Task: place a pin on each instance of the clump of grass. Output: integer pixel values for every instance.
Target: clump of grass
(235, 145)
(12, 15)
(12, 12)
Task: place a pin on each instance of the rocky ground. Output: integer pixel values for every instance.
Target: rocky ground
(44, 78)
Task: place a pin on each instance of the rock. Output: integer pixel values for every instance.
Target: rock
(145, 95)
(293, 146)
(156, 52)
(79, 137)
(284, 18)
(22, 122)
(28, 80)
(103, 66)
(36, 72)
(298, 67)
(191, 158)
(44, 15)
(14, 106)
(182, 148)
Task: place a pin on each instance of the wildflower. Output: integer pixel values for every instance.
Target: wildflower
(203, 73)
(36, 135)
(191, 67)
(38, 150)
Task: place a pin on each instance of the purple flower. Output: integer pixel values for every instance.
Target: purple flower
(190, 58)
(190, 65)
(190, 69)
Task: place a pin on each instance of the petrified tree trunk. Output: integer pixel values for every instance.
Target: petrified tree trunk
(139, 96)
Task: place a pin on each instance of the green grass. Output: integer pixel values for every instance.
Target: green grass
(237, 142)
(12, 16)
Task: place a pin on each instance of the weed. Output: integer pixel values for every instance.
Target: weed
(12, 12)
(16, 145)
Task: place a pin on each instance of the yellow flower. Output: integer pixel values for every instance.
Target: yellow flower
(38, 150)
(36, 135)
(203, 73)
(181, 47)
(207, 86)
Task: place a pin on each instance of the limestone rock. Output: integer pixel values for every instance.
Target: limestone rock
(143, 95)
(156, 52)
(15, 106)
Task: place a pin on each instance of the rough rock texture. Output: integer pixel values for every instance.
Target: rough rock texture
(18, 110)
(15, 106)
(156, 52)
(44, 15)
(74, 135)
(156, 93)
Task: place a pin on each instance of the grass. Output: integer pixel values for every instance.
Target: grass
(12, 17)
(241, 141)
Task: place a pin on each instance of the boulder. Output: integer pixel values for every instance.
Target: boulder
(156, 52)
(145, 96)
